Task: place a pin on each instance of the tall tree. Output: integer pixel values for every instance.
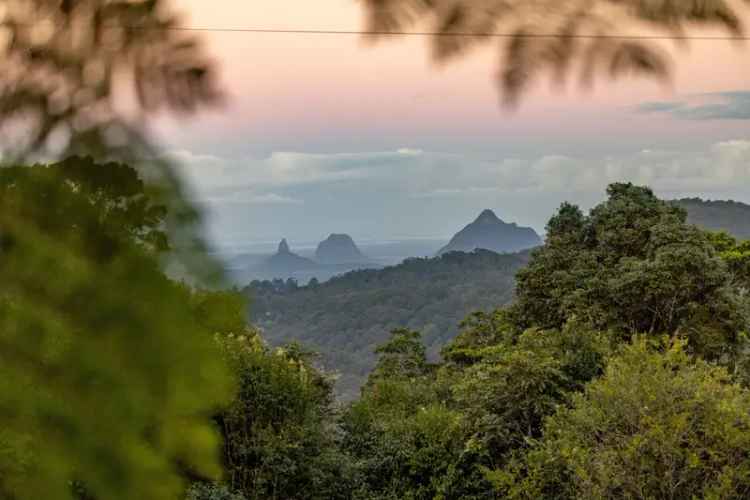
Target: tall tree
(403, 439)
(279, 439)
(633, 265)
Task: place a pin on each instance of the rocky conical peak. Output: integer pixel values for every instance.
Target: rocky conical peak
(487, 216)
(283, 263)
(338, 249)
(491, 233)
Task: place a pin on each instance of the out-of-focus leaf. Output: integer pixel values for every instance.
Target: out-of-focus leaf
(562, 32)
(107, 377)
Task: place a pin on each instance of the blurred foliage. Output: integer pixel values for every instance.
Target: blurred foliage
(107, 377)
(107, 374)
(557, 37)
(84, 77)
(87, 198)
(63, 63)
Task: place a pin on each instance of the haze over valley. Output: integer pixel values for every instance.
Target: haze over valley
(374, 249)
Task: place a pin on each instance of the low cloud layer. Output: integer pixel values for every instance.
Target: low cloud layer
(714, 106)
(419, 174)
(409, 192)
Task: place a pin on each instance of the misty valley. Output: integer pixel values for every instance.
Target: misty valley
(374, 250)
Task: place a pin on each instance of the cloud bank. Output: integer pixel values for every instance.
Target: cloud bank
(714, 106)
(414, 193)
(283, 177)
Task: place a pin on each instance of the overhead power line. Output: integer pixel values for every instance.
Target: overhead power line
(451, 34)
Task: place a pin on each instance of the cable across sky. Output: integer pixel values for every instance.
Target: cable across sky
(449, 33)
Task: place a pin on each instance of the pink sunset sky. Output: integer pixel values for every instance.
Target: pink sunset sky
(311, 118)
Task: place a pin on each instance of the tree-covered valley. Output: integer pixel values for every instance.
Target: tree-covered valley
(619, 370)
(608, 359)
(346, 318)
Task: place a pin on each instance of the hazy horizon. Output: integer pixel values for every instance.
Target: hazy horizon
(327, 133)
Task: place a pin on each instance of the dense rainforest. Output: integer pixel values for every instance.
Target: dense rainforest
(346, 318)
(619, 371)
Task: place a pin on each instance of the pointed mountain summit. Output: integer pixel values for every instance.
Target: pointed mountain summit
(487, 217)
(489, 232)
(284, 262)
(339, 249)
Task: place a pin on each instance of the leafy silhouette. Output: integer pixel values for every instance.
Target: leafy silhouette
(551, 36)
(108, 377)
(85, 77)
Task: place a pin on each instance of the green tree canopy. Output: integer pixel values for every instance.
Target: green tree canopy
(737, 256)
(106, 378)
(402, 437)
(633, 265)
(278, 432)
(402, 356)
(658, 424)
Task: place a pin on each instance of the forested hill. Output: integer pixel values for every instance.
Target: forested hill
(730, 216)
(347, 317)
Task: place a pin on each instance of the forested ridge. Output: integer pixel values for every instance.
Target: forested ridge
(346, 318)
(718, 215)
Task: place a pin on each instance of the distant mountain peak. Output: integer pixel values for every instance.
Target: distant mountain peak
(338, 249)
(339, 237)
(489, 232)
(283, 263)
(487, 215)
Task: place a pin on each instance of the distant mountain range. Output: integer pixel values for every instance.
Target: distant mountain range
(338, 253)
(491, 233)
(730, 216)
(335, 255)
